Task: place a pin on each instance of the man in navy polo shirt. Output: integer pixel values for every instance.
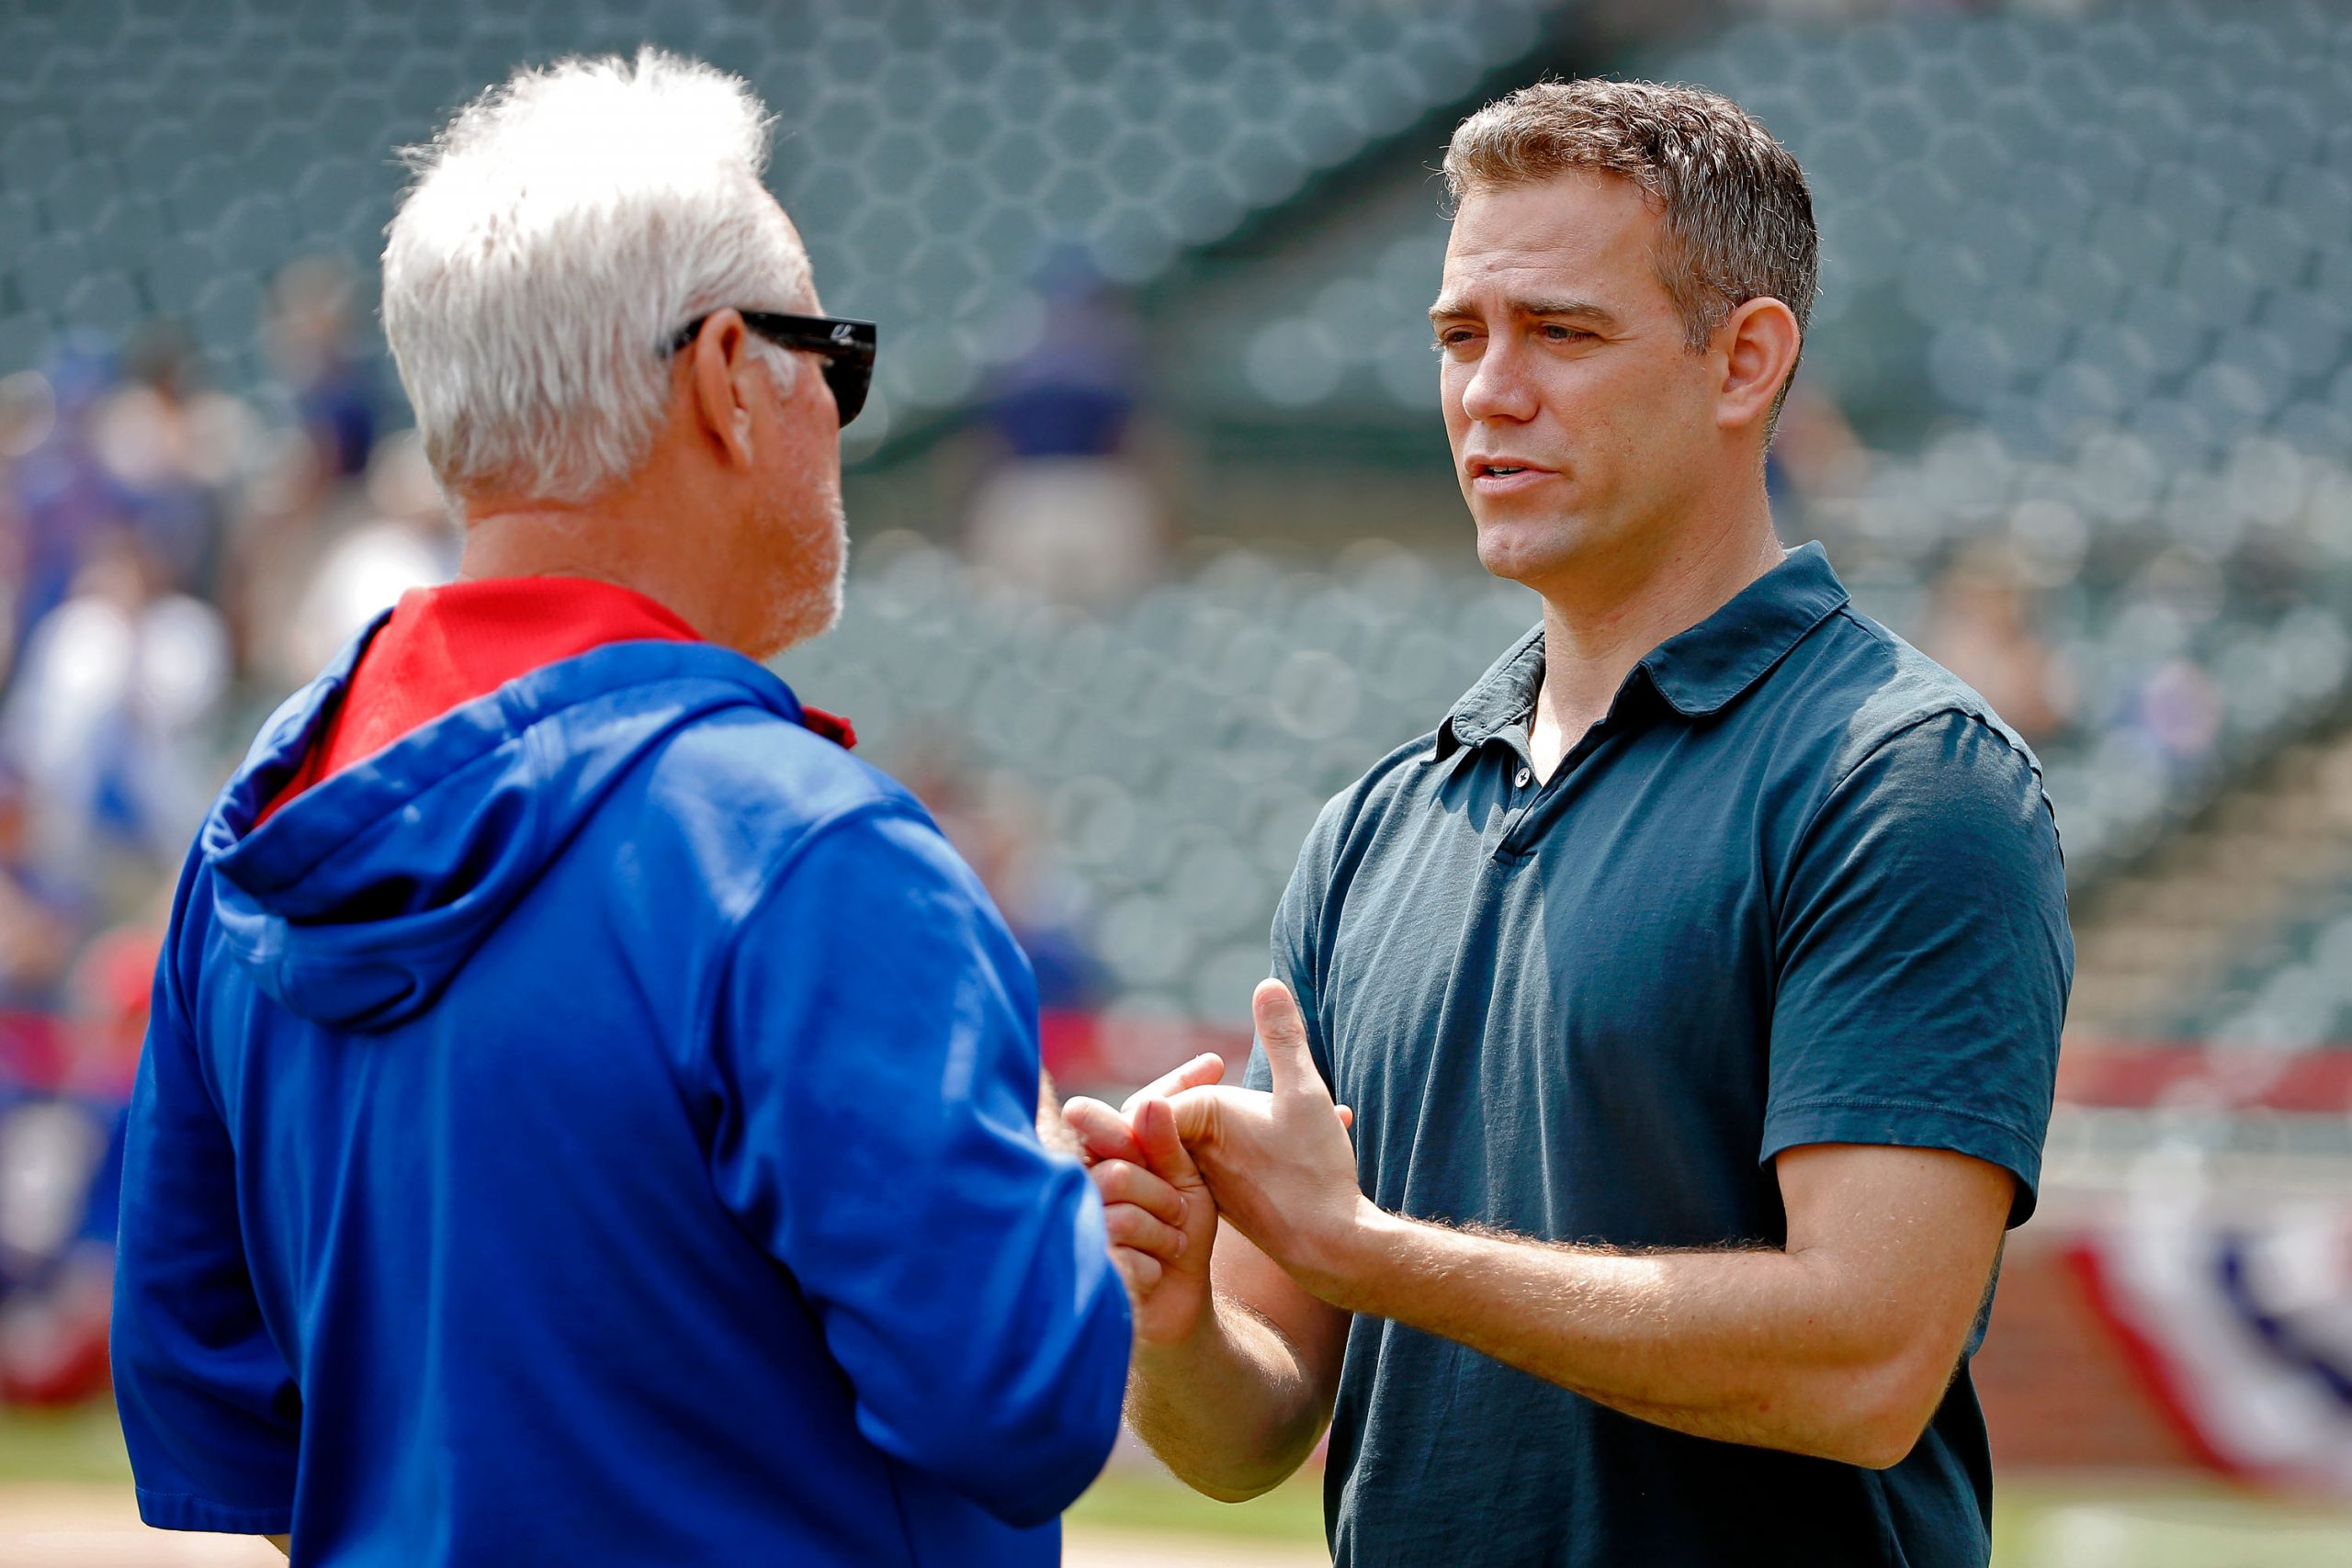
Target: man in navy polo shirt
(1695, 987)
(588, 1116)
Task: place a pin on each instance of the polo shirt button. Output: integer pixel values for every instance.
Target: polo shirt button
(1524, 774)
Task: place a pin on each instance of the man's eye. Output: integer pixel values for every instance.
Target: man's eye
(1455, 337)
(1554, 332)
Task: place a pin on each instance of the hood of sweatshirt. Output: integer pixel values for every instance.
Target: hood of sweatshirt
(355, 902)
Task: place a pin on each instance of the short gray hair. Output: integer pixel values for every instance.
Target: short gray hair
(560, 229)
(1737, 214)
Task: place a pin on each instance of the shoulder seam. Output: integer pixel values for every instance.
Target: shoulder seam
(1863, 623)
(1977, 720)
(1986, 719)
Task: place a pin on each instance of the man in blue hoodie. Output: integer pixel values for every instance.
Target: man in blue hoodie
(587, 1115)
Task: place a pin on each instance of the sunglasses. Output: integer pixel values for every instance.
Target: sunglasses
(847, 345)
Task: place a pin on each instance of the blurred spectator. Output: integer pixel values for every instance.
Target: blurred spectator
(106, 1003)
(2177, 713)
(62, 494)
(1816, 456)
(61, 1177)
(42, 918)
(176, 449)
(1065, 508)
(109, 723)
(335, 388)
(994, 821)
(1984, 629)
(404, 541)
(27, 411)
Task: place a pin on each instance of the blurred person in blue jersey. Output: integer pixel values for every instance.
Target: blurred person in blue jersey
(1068, 505)
(1695, 986)
(587, 1116)
(110, 721)
(331, 382)
(63, 502)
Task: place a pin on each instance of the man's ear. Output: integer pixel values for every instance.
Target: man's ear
(720, 370)
(1759, 343)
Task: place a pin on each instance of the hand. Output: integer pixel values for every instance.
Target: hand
(1280, 1166)
(1161, 1221)
(1103, 1133)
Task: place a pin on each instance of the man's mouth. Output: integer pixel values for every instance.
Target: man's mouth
(1499, 472)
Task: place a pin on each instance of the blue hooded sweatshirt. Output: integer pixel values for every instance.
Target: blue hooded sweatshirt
(599, 1128)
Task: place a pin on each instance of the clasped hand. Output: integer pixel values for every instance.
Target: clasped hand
(1183, 1149)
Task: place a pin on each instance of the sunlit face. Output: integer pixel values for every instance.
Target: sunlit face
(1581, 424)
(802, 531)
(805, 532)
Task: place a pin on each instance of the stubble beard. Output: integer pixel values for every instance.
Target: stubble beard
(810, 597)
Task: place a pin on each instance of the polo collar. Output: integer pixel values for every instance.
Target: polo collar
(1697, 671)
(1499, 699)
(1700, 671)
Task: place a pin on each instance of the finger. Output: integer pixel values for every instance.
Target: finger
(1206, 1068)
(1140, 1269)
(1163, 1146)
(1121, 1182)
(1283, 1033)
(1130, 1226)
(1347, 1117)
(1102, 1133)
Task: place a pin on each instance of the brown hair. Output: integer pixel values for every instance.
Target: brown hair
(1738, 218)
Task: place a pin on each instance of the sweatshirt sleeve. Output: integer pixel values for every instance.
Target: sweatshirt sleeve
(210, 1412)
(876, 1053)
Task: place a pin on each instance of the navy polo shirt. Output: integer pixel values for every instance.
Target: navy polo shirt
(1799, 885)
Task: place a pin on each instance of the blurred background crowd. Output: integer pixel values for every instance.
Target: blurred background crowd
(1157, 544)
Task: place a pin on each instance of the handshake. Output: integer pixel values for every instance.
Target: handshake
(1184, 1150)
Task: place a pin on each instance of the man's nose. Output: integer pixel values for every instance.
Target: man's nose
(1498, 387)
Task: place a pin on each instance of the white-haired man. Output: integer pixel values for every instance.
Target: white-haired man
(587, 1115)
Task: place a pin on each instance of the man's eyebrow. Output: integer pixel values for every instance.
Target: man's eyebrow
(1450, 310)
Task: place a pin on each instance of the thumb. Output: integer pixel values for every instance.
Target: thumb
(1283, 1031)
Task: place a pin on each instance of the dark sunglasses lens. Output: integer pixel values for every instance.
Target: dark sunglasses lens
(848, 380)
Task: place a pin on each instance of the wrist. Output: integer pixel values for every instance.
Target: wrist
(1157, 1355)
(1344, 1266)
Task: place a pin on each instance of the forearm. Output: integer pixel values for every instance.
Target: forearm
(1231, 1411)
(1762, 1346)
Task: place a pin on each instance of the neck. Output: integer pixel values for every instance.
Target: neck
(606, 540)
(1600, 624)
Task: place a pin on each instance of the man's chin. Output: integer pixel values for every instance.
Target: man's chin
(805, 616)
(812, 606)
(1527, 552)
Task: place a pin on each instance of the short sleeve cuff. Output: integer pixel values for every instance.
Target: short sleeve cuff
(184, 1511)
(1913, 1126)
